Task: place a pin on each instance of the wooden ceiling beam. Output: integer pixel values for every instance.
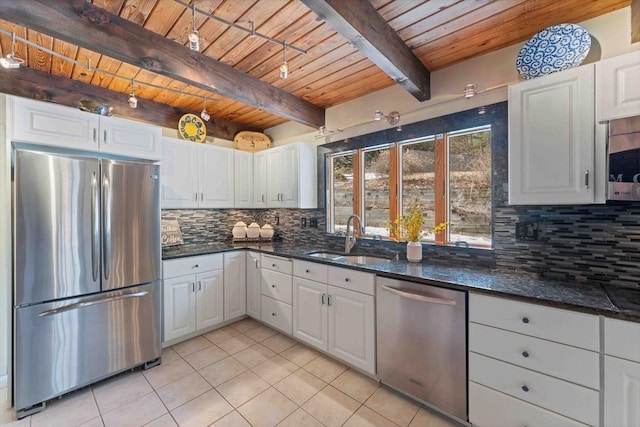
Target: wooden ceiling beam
(42, 86)
(361, 24)
(88, 26)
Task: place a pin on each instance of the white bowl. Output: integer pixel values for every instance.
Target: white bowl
(253, 230)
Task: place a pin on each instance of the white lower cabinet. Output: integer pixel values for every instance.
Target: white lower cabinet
(490, 408)
(253, 285)
(622, 373)
(193, 295)
(532, 365)
(235, 285)
(334, 319)
(276, 292)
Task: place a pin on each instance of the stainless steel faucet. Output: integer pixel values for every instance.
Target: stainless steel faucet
(350, 239)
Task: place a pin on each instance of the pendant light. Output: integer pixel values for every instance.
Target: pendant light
(284, 68)
(194, 37)
(133, 101)
(10, 61)
(205, 116)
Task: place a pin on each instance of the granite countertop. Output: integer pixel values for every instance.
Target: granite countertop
(586, 297)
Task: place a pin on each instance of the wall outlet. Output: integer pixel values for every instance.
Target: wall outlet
(313, 222)
(527, 231)
(303, 222)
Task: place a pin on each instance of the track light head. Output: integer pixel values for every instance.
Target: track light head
(194, 37)
(133, 101)
(378, 115)
(284, 70)
(470, 91)
(10, 61)
(205, 116)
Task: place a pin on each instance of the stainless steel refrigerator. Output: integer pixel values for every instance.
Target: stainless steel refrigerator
(87, 270)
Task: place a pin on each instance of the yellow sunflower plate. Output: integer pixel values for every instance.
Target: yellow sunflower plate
(192, 128)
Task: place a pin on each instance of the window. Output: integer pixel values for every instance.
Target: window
(447, 175)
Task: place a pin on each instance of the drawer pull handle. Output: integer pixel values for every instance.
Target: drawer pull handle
(525, 354)
(525, 388)
(273, 265)
(525, 320)
(322, 302)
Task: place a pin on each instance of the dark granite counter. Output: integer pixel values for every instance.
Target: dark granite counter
(584, 296)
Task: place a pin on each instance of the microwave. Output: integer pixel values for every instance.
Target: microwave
(624, 159)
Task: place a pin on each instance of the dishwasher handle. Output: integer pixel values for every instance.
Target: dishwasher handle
(418, 296)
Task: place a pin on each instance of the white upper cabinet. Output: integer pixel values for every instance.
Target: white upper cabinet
(291, 176)
(552, 139)
(243, 181)
(618, 87)
(216, 172)
(57, 125)
(196, 175)
(260, 179)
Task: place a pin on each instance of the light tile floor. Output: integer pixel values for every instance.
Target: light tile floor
(244, 374)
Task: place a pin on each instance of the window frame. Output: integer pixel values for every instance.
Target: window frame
(441, 181)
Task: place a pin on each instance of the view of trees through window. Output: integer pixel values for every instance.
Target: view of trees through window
(447, 176)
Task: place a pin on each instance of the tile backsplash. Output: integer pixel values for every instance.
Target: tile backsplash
(214, 225)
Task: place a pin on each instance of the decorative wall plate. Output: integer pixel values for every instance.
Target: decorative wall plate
(251, 141)
(192, 128)
(555, 48)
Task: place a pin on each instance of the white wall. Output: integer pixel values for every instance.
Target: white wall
(611, 36)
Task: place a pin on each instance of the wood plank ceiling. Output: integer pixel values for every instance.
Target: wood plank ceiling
(439, 32)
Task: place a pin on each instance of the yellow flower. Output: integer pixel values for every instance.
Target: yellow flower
(410, 227)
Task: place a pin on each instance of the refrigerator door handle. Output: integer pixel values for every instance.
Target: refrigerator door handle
(95, 227)
(81, 304)
(106, 224)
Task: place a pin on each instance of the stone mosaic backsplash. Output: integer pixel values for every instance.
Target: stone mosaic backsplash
(214, 225)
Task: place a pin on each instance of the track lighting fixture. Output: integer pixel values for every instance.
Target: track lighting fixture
(194, 37)
(205, 116)
(470, 90)
(323, 132)
(284, 68)
(393, 118)
(10, 61)
(482, 110)
(133, 101)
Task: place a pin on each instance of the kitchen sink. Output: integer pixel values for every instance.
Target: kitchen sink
(325, 255)
(363, 259)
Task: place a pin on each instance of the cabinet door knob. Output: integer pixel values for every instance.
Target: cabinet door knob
(525, 388)
(525, 320)
(273, 265)
(196, 266)
(273, 314)
(273, 286)
(525, 354)
(346, 279)
(307, 270)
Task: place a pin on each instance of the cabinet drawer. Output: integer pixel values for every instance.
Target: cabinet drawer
(277, 285)
(311, 271)
(489, 408)
(282, 265)
(566, 327)
(277, 314)
(568, 399)
(558, 360)
(622, 339)
(191, 265)
(352, 280)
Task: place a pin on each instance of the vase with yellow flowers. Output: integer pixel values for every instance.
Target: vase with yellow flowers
(410, 228)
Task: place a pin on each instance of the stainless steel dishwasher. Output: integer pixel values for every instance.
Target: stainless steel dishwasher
(422, 342)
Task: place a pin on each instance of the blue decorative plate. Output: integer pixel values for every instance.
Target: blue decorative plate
(553, 49)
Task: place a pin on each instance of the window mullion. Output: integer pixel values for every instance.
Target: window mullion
(394, 182)
(358, 177)
(441, 177)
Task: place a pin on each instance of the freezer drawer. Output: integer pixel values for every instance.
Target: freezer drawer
(68, 344)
